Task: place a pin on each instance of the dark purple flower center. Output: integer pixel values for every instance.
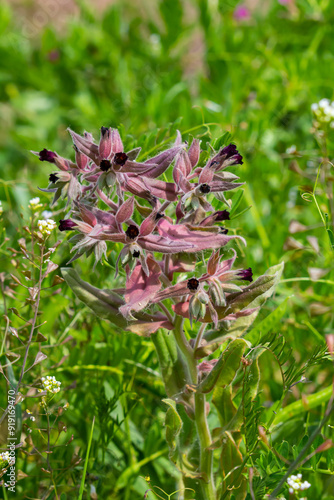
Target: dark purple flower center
(246, 274)
(120, 158)
(132, 232)
(53, 178)
(221, 215)
(205, 188)
(136, 254)
(229, 151)
(46, 155)
(193, 284)
(105, 165)
(237, 159)
(66, 225)
(104, 131)
(223, 230)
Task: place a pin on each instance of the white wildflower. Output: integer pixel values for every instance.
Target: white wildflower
(46, 226)
(296, 484)
(50, 384)
(1, 208)
(324, 113)
(4, 458)
(291, 150)
(46, 214)
(35, 204)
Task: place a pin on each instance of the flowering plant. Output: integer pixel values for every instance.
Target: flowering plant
(171, 241)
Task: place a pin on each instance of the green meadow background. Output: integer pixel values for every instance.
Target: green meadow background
(150, 68)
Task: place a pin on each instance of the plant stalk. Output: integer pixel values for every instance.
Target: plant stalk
(203, 432)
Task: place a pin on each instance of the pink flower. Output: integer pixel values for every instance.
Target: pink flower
(241, 13)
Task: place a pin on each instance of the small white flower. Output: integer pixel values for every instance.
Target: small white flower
(1, 208)
(323, 112)
(6, 458)
(32, 419)
(324, 102)
(50, 384)
(291, 150)
(46, 226)
(35, 204)
(46, 214)
(295, 484)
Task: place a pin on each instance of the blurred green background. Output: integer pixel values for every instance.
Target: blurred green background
(151, 67)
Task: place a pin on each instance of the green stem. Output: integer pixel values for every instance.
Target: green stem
(203, 431)
(205, 441)
(173, 370)
(185, 348)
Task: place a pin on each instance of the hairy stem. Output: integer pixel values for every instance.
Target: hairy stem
(203, 431)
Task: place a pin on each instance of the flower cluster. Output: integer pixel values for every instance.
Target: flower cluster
(5, 458)
(178, 221)
(323, 113)
(46, 226)
(35, 204)
(50, 384)
(296, 484)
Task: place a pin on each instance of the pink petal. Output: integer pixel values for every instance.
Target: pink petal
(155, 243)
(85, 146)
(213, 263)
(183, 164)
(206, 176)
(125, 211)
(141, 288)
(178, 140)
(117, 145)
(102, 233)
(172, 291)
(161, 189)
(105, 143)
(148, 225)
(194, 152)
(178, 211)
(87, 215)
(106, 219)
(226, 265)
(150, 324)
(201, 240)
(136, 186)
(240, 314)
(217, 186)
(136, 167)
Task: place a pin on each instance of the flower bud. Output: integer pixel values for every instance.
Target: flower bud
(47, 155)
(195, 307)
(105, 142)
(246, 274)
(80, 159)
(110, 179)
(203, 297)
(66, 225)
